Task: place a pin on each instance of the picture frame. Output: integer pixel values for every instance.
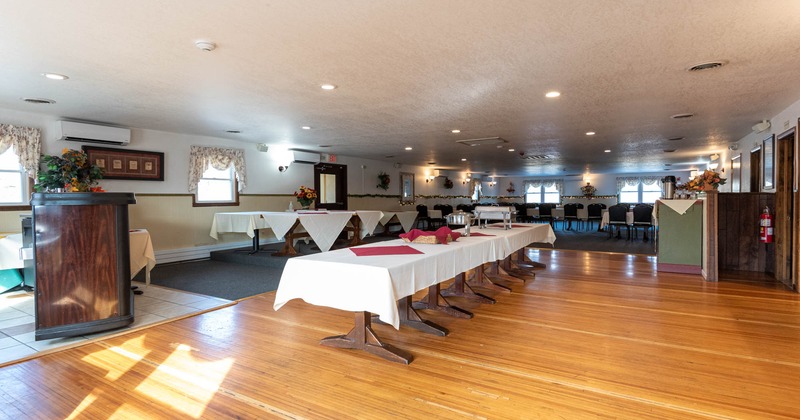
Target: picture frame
(406, 188)
(768, 152)
(138, 165)
(736, 173)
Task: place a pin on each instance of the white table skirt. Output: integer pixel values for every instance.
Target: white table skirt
(340, 279)
(10, 254)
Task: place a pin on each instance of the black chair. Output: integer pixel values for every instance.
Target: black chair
(595, 211)
(642, 217)
(546, 212)
(617, 216)
(571, 213)
(422, 216)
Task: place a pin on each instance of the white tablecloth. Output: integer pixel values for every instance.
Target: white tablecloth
(323, 226)
(142, 255)
(10, 255)
(340, 279)
(406, 218)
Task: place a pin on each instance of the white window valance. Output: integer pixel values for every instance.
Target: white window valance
(220, 159)
(535, 184)
(632, 181)
(27, 144)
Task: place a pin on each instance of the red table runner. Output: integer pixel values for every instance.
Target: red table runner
(385, 250)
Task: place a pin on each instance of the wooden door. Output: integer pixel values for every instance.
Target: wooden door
(784, 208)
(330, 181)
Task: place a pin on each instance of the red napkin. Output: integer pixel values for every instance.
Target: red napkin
(479, 234)
(440, 234)
(385, 250)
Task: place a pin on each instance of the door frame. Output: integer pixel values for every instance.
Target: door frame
(341, 185)
(785, 209)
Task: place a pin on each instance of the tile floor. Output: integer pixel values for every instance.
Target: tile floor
(155, 305)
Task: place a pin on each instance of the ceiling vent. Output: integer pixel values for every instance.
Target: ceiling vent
(38, 101)
(482, 142)
(707, 65)
(536, 157)
(682, 116)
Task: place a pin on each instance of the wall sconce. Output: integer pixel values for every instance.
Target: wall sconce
(466, 179)
(429, 178)
(283, 168)
(713, 166)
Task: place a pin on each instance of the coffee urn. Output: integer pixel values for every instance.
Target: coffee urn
(668, 187)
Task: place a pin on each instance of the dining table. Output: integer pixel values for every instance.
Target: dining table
(322, 226)
(380, 279)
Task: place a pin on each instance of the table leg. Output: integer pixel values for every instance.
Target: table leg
(362, 337)
(356, 221)
(496, 272)
(461, 288)
(432, 302)
(523, 261)
(256, 242)
(480, 280)
(288, 246)
(409, 317)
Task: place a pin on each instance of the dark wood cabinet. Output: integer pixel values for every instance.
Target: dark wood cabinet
(739, 221)
(82, 264)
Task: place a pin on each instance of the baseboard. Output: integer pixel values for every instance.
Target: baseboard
(201, 252)
(679, 268)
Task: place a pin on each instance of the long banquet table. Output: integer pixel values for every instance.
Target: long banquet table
(322, 226)
(374, 284)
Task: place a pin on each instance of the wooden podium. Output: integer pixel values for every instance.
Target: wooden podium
(82, 264)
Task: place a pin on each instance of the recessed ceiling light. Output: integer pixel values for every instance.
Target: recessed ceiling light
(55, 76)
(455, 131)
(682, 116)
(328, 86)
(38, 100)
(463, 159)
(205, 45)
(305, 127)
(590, 133)
(552, 94)
(607, 151)
(233, 131)
(409, 148)
(510, 150)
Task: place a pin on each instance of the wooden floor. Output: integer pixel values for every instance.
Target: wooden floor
(594, 335)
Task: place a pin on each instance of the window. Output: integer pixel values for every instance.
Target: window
(542, 194)
(640, 193)
(217, 188)
(14, 181)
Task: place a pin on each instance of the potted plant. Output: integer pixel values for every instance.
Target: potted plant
(70, 172)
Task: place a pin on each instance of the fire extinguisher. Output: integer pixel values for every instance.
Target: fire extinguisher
(767, 233)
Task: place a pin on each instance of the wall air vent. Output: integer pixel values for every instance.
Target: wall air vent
(483, 141)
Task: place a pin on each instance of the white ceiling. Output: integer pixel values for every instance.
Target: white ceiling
(408, 72)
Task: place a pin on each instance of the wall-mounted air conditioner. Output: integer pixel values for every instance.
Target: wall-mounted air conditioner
(305, 157)
(92, 133)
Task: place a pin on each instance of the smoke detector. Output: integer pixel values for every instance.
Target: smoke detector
(762, 126)
(205, 45)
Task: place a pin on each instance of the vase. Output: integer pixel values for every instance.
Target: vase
(708, 187)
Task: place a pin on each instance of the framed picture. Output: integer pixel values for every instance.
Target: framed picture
(736, 173)
(768, 151)
(127, 164)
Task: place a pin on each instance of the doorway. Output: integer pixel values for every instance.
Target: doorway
(785, 209)
(330, 181)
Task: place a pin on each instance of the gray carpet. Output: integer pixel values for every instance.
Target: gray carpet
(601, 241)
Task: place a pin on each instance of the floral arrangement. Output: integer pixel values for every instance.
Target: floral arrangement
(70, 172)
(588, 189)
(383, 181)
(305, 196)
(707, 178)
(510, 188)
(448, 183)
